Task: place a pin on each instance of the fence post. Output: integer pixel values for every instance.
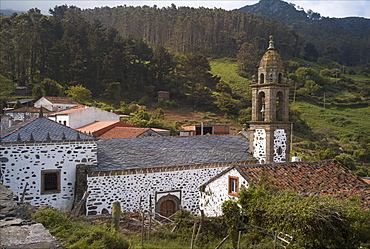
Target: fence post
(116, 213)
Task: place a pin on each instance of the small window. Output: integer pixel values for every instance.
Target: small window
(50, 181)
(233, 185)
(65, 122)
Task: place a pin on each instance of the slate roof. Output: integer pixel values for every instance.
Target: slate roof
(135, 153)
(41, 129)
(321, 178)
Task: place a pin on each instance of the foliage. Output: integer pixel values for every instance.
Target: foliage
(79, 93)
(313, 222)
(17, 105)
(7, 88)
(47, 87)
(73, 234)
(231, 214)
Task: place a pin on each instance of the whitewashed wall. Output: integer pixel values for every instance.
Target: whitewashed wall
(23, 162)
(50, 106)
(216, 192)
(129, 189)
(90, 115)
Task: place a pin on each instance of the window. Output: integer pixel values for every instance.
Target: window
(233, 185)
(50, 181)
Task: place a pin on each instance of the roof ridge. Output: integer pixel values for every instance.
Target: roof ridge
(25, 123)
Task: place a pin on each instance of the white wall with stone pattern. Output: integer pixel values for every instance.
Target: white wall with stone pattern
(129, 189)
(22, 163)
(216, 192)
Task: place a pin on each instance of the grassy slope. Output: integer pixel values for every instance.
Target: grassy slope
(227, 68)
(345, 122)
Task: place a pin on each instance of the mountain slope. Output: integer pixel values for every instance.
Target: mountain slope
(349, 35)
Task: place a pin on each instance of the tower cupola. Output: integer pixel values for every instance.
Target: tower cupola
(271, 69)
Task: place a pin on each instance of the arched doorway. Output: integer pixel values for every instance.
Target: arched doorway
(168, 205)
(167, 208)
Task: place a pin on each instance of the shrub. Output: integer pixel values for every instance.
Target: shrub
(79, 235)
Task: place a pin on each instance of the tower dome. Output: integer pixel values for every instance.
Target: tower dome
(270, 69)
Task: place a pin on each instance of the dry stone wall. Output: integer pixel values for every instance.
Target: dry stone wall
(23, 163)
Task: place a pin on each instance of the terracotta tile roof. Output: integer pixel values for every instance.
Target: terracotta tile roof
(123, 132)
(29, 109)
(69, 110)
(61, 100)
(322, 178)
(99, 127)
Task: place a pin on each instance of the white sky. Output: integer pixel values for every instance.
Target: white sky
(327, 8)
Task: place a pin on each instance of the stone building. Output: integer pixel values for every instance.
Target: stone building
(39, 158)
(306, 178)
(161, 174)
(270, 127)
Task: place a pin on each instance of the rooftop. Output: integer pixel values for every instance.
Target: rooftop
(322, 178)
(61, 100)
(135, 153)
(41, 129)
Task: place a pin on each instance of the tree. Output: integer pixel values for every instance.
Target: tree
(47, 87)
(247, 58)
(231, 215)
(227, 104)
(314, 222)
(79, 93)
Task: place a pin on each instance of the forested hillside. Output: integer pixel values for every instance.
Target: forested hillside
(75, 53)
(213, 32)
(344, 40)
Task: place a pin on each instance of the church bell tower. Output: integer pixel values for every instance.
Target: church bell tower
(270, 128)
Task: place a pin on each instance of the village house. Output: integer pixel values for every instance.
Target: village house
(305, 178)
(55, 103)
(39, 159)
(81, 115)
(161, 174)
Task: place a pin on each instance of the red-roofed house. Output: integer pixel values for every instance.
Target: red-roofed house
(319, 178)
(100, 127)
(128, 132)
(55, 103)
(79, 116)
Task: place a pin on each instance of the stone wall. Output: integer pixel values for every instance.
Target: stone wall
(23, 163)
(216, 192)
(129, 189)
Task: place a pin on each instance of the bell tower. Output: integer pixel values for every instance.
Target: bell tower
(270, 127)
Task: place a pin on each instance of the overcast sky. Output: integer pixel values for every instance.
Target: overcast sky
(327, 8)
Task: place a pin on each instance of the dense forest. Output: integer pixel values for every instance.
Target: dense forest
(346, 39)
(75, 52)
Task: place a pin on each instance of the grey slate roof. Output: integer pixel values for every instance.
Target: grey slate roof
(134, 153)
(41, 129)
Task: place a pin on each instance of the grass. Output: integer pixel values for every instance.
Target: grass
(227, 68)
(344, 122)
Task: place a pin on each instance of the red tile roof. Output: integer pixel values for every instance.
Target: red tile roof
(99, 127)
(323, 177)
(123, 132)
(30, 110)
(61, 100)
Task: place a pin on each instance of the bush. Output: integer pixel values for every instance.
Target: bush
(79, 234)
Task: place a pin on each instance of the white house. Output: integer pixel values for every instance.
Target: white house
(55, 103)
(161, 173)
(78, 116)
(306, 178)
(39, 157)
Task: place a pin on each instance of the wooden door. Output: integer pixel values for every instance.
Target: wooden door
(167, 208)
